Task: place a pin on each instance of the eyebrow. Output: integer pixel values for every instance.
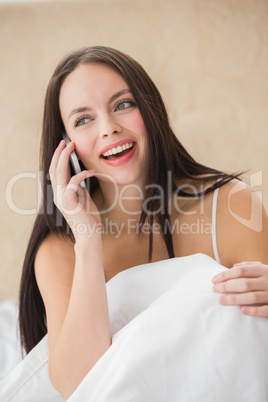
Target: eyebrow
(87, 109)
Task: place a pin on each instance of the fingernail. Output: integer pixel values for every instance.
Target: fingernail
(215, 280)
(222, 300)
(91, 173)
(215, 288)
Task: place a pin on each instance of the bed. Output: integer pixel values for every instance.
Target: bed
(171, 341)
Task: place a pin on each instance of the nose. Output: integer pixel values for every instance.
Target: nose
(108, 126)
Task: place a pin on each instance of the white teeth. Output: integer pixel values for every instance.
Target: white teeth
(118, 149)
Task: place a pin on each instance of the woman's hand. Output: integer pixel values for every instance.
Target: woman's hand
(74, 282)
(70, 198)
(245, 285)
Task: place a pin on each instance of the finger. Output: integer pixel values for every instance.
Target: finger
(77, 179)
(75, 198)
(239, 285)
(63, 172)
(241, 271)
(55, 158)
(247, 263)
(240, 299)
(258, 311)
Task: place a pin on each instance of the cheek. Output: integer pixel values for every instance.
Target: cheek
(84, 149)
(141, 129)
(138, 125)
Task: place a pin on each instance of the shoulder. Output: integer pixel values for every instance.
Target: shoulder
(55, 244)
(242, 224)
(53, 253)
(54, 261)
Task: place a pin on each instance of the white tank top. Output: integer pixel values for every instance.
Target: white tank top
(214, 226)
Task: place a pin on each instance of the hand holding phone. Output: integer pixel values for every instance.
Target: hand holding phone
(74, 159)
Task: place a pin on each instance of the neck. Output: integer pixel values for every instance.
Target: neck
(119, 203)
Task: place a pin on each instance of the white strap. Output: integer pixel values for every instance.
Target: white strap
(213, 222)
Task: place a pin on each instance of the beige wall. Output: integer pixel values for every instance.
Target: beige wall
(209, 59)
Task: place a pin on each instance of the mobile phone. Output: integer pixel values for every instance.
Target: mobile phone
(73, 159)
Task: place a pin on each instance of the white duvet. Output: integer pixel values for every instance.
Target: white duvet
(172, 341)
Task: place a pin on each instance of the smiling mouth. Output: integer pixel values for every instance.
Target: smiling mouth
(117, 152)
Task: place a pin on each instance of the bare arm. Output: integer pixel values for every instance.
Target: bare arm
(72, 283)
(243, 241)
(242, 225)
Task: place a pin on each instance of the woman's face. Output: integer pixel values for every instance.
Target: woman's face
(102, 119)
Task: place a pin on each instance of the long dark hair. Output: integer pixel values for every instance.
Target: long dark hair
(168, 156)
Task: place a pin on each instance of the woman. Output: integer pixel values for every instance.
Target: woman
(144, 190)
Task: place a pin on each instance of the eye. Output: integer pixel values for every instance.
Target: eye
(81, 121)
(125, 104)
